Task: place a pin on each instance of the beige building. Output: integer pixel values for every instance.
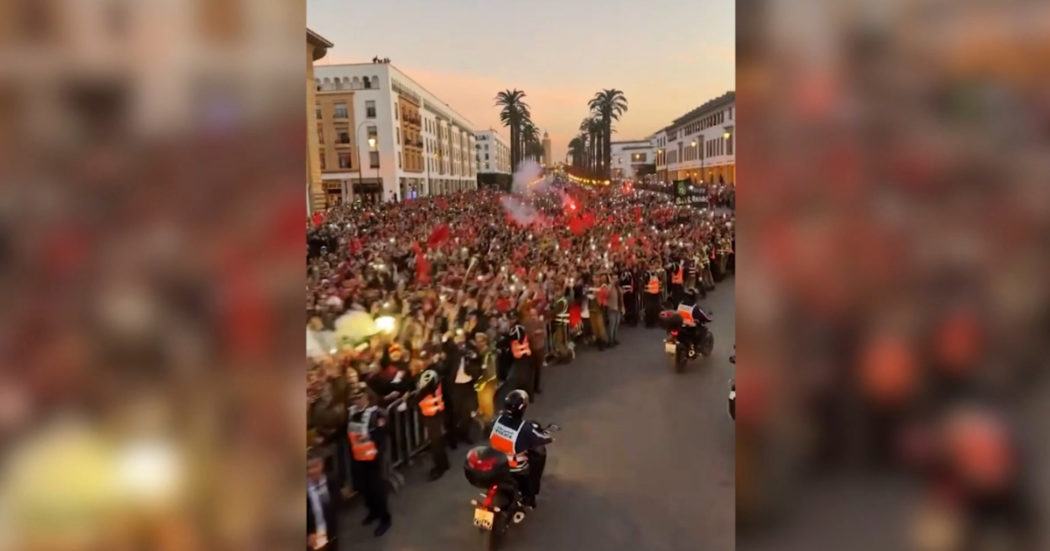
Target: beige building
(316, 48)
(395, 140)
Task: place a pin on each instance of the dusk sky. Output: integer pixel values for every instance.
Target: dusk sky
(668, 56)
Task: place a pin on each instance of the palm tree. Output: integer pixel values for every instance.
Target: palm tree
(608, 105)
(514, 111)
(593, 127)
(529, 135)
(576, 148)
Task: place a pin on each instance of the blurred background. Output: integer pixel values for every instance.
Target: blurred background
(151, 241)
(892, 292)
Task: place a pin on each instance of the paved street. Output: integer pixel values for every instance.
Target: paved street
(644, 460)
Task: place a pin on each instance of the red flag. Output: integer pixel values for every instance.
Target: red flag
(317, 219)
(503, 305)
(588, 219)
(520, 272)
(422, 266)
(440, 234)
(576, 226)
(638, 214)
(575, 315)
(630, 242)
(614, 242)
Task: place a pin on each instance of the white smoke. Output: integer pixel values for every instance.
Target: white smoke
(519, 211)
(525, 178)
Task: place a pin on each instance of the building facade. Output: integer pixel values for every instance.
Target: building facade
(700, 145)
(316, 48)
(394, 140)
(630, 158)
(493, 152)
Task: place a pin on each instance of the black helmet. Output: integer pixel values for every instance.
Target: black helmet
(515, 403)
(690, 295)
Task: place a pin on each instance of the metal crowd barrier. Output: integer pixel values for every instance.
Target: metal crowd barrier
(408, 438)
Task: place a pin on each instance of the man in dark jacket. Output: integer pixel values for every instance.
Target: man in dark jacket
(322, 506)
(462, 371)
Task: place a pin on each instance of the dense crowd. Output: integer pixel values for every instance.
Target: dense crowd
(457, 274)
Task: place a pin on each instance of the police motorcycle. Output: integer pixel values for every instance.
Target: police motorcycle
(501, 503)
(683, 343)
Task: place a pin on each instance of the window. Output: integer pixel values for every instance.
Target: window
(397, 135)
(399, 159)
(486, 147)
(318, 112)
(372, 132)
(395, 110)
(486, 156)
(368, 83)
(370, 109)
(320, 135)
(344, 137)
(373, 159)
(344, 160)
(729, 141)
(340, 109)
(322, 161)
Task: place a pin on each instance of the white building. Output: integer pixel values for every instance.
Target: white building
(420, 145)
(628, 157)
(493, 152)
(699, 145)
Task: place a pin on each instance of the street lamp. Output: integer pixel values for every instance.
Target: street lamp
(371, 143)
(372, 146)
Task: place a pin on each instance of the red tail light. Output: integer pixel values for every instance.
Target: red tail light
(490, 496)
(479, 464)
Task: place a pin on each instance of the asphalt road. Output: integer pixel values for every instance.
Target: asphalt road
(644, 459)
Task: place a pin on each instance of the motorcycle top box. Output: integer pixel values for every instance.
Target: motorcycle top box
(485, 466)
(670, 320)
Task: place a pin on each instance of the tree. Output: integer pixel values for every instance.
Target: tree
(577, 146)
(514, 111)
(593, 128)
(608, 105)
(529, 135)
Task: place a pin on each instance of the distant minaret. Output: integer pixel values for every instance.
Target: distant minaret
(546, 149)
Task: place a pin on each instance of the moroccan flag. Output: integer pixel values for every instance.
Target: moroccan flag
(576, 226)
(638, 214)
(422, 266)
(440, 234)
(575, 316)
(317, 219)
(614, 242)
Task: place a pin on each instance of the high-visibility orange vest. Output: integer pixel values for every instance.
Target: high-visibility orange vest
(503, 439)
(653, 287)
(676, 278)
(361, 445)
(432, 404)
(686, 312)
(520, 349)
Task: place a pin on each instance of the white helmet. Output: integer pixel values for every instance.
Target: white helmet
(426, 378)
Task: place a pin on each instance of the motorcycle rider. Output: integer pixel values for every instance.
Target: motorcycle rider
(517, 437)
(692, 316)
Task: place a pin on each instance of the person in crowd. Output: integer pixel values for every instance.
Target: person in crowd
(536, 328)
(462, 372)
(367, 432)
(322, 506)
(432, 407)
(595, 310)
(652, 296)
(629, 296)
(614, 307)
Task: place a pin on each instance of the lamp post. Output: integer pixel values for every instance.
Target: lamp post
(725, 138)
(372, 147)
(360, 165)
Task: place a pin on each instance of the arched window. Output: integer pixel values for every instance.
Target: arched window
(357, 83)
(368, 83)
(375, 81)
